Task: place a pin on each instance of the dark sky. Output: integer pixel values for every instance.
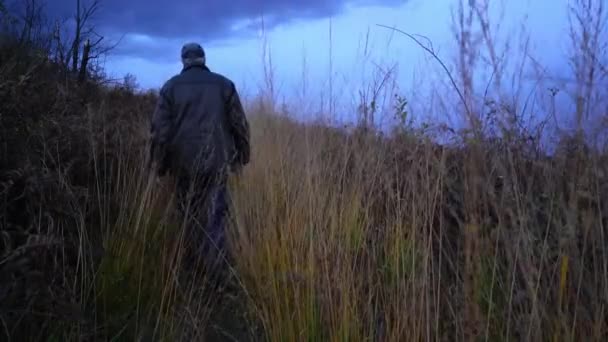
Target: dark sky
(206, 19)
(209, 22)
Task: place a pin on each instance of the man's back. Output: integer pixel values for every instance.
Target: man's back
(200, 121)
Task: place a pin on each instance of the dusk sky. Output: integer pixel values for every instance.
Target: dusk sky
(298, 36)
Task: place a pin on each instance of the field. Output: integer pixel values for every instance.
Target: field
(338, 233)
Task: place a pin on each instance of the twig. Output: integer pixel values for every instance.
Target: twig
(434, 55)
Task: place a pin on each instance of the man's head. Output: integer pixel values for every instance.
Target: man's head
(193, 54)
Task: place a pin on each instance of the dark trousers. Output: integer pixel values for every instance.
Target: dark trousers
(203, 202)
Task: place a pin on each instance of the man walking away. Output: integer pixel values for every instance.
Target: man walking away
(200, 134)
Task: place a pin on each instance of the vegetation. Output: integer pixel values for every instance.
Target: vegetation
(337, 235)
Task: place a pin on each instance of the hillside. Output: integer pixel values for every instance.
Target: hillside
(337, 235)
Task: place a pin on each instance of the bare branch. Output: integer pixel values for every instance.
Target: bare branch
(434, 55)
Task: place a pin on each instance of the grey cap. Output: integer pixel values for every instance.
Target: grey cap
(192, 54)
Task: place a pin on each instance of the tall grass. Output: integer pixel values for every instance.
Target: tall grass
(355, 238)
(336, 234)
(141, 288)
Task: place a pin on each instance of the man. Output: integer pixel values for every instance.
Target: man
(200, 134)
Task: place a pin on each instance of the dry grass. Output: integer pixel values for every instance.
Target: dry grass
(336, 235)
(354, 238)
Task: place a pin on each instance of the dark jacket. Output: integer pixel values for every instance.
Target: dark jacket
(199, 124)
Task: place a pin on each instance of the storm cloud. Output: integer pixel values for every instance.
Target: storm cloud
(160, 27)
(207, 19)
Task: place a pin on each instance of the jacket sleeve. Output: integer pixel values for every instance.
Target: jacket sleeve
(239, 126)
(162, 125)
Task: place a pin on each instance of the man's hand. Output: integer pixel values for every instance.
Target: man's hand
(236, 164)
(161, 169)
(236, 169)
(157, 162)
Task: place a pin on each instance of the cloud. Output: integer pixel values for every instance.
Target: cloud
(208, 20)
(156, 30)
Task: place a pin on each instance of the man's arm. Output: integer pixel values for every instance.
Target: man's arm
(238, 126)
(161, 128)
